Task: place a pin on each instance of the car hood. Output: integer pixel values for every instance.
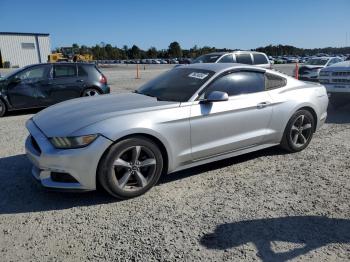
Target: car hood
(342, 66)
(67, 117)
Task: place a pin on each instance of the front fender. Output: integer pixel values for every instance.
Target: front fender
(170, 126)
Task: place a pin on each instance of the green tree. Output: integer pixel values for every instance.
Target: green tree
(135, 52)
(175, 50)
(152, 52)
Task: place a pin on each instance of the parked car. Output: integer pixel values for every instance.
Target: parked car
(336, 79)
(188, 116)
(42, 85)
(291, 60)
(311, 69)
(242, 57)
(280, 60)
(185, 61)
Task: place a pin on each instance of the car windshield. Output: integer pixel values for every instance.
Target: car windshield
(210, 58)
(317, 61)
(178, 84)
(11, 73)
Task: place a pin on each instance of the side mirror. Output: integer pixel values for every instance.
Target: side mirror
(16, 80)
(216, 96)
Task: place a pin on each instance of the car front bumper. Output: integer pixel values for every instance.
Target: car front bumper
(309, 76)
(80, 164)
(337, 88)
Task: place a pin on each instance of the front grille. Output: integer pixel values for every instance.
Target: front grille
(35, 144)
(303, 70)
(341, 81)
(341, 73)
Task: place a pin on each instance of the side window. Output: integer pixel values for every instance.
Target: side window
(238, 83)
(34, 73)
(82, 71)
(273, 81)
(64, 71)
(260, 59)
(226, 59)
(244, 59)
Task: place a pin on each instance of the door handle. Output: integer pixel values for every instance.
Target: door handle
(263, 104)
(80, 80)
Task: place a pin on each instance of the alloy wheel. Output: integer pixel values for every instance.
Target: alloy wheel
(133, 168)
(301, 131)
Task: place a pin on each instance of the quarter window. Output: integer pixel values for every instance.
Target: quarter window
(244, 59)
(81, 71)
(239, 83)
(273, 81)
(260, 59)
(64, 71)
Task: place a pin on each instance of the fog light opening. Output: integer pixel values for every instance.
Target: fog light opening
(62, 177)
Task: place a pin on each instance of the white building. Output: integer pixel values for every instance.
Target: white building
(21, 49)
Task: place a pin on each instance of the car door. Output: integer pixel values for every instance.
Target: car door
(241, 122)
(64, 84)
(23, 86)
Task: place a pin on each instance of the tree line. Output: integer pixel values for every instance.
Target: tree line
(108, 52)
(280, 50)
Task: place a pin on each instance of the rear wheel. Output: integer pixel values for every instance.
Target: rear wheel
(130, 167)
(91, 92)
(2, 108)
(299, 131)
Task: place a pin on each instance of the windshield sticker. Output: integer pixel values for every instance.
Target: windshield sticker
(198, 75)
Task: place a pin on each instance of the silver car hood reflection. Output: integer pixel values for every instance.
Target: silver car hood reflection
(67, 117)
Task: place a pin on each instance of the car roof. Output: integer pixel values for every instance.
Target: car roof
(60, 63)
(236, 52)
(220, 67)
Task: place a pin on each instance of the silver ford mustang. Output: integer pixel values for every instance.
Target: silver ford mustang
(186, 117)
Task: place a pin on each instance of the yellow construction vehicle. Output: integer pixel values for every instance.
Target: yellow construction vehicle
(67, 54)
(56, 57)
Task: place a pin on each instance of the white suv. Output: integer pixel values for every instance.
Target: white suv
(243, 57)
(336, 79)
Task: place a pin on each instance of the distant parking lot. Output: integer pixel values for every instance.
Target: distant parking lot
(267, 205)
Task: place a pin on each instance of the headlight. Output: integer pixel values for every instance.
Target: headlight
(72, 142)
(324, 73)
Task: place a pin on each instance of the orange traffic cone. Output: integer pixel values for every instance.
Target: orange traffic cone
(296, 73)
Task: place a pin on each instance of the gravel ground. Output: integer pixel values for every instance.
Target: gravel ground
(263, 206)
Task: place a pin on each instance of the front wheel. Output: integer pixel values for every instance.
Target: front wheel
(299, 131)
(130, 167)
(2, 108)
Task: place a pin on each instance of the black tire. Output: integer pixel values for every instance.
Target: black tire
(2, 108)
(299, 131)
(91, 92)
(121, 163)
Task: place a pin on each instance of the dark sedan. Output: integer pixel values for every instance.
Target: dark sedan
(42, 85)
